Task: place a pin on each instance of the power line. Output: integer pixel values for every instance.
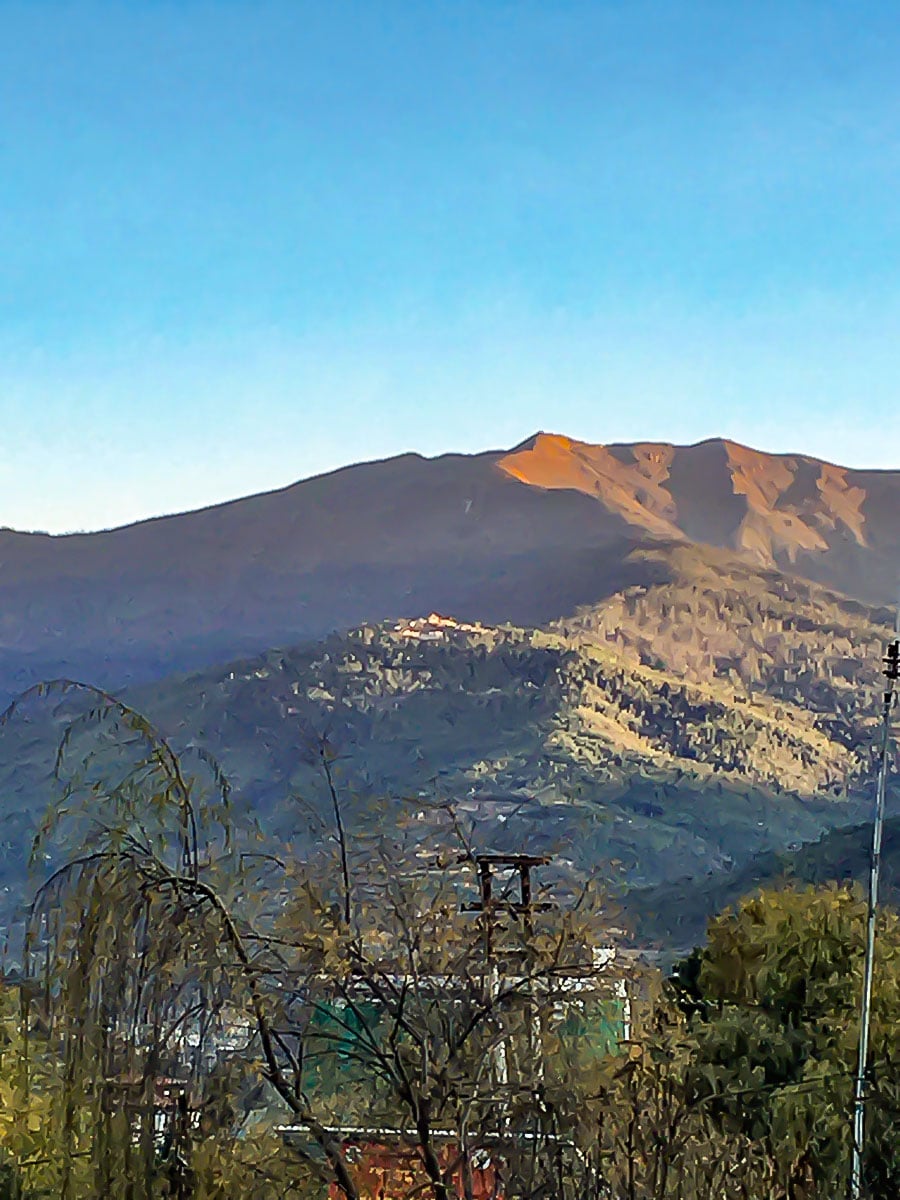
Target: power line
(812, 1082)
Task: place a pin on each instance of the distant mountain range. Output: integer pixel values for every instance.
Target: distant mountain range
(524, 536)
(658, 662)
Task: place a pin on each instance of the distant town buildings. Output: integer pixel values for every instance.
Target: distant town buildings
(434, 627)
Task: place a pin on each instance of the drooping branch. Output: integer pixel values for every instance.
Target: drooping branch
(161, 751)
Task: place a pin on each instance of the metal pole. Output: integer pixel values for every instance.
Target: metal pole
(891, 671)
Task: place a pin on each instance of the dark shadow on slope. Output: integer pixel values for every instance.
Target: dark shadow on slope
(675, 914)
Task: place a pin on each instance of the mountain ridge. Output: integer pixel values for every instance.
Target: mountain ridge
(527, 444)
(778, 514)
(494, 536)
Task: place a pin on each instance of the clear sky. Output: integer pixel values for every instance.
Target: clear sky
(243, 243)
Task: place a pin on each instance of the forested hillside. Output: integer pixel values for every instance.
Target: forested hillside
(673, 731)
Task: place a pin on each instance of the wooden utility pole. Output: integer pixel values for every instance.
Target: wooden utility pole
(525, 908)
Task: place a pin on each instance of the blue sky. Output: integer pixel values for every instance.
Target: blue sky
(242, 243)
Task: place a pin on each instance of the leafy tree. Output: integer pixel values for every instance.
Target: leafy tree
(773, 1004)
(32, 1103)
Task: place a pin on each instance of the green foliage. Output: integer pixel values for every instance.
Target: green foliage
(32, 1091)
(254, 1167)
(773, 1003)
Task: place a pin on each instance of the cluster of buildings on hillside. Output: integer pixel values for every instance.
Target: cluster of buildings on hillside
(434, 627)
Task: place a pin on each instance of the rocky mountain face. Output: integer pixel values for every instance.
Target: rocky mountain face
(818, 520)
(525, 537)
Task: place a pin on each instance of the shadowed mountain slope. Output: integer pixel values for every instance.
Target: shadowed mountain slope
(522, 537)
(674, 914)
(404, 535)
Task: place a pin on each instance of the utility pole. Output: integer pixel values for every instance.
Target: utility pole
(891, 673)
(489, 906)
